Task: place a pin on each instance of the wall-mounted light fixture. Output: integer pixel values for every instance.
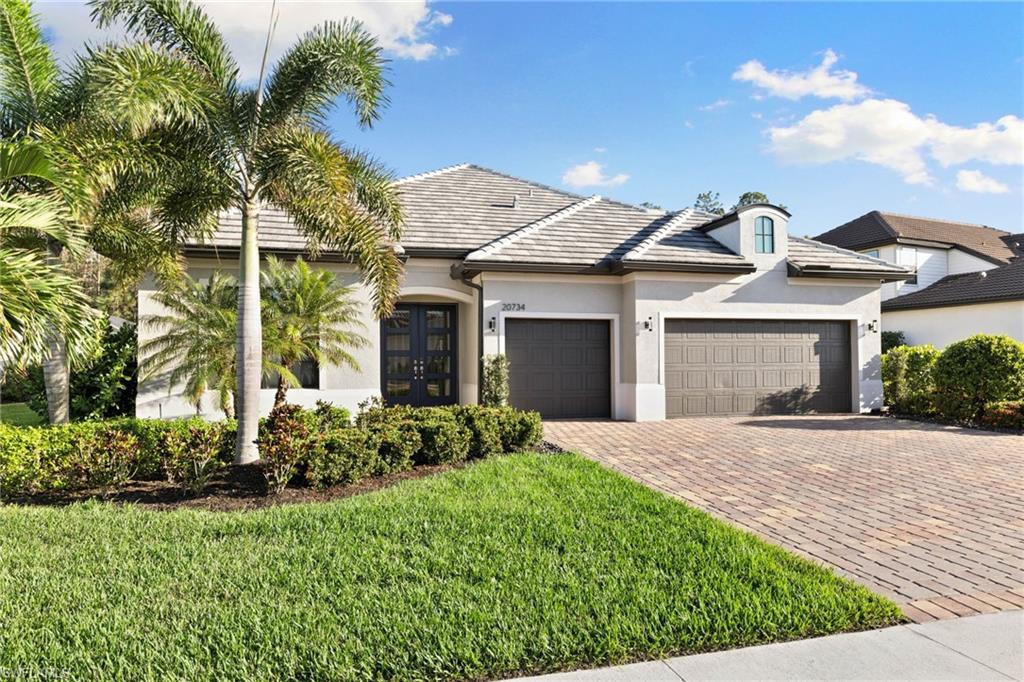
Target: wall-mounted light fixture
(873, 326)
(492, 324)
(649, 324)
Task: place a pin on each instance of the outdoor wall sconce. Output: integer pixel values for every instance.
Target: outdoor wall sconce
(492, 324)
(873, 326)
(648, 324)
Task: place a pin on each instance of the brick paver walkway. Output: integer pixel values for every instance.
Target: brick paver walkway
(930, 516)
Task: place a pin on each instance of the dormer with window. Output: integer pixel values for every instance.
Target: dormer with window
(757, 232)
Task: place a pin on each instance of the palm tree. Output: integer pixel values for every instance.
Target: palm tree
(120, 182)
(308, 317)
(268, 144)
(35, 297)
(197, 346)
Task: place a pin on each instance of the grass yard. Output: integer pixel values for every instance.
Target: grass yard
(19, 414)
(524, 563)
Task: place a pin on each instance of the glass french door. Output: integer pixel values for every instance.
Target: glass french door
(418, 360)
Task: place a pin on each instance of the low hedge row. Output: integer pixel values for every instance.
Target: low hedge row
(297, 443)
(321, 447)
(979, 380)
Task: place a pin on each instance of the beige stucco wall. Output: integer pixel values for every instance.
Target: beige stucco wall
(424, 280)
(943, 326)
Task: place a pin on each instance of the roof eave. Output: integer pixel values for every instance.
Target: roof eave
(838, 273)
(950, 304)
(627, 266)
(475, 267)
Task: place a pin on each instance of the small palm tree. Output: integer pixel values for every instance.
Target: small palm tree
(268, 144)
(120, 180)
(197, 344)
(307, 315)
(35, 296)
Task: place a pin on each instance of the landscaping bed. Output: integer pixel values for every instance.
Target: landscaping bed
(516, 564)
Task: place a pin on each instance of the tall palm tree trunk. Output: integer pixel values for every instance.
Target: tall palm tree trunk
(282, 392)
(249, 342)
(56, 369)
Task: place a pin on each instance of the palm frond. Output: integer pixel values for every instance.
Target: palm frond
(28, 70)
(177, 24)
(24, 158)
(332, 60)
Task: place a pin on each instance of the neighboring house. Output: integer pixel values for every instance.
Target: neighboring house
(947, 300)
(603, 309)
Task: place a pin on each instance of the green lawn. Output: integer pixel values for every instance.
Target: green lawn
(520, 563)
(19, 414)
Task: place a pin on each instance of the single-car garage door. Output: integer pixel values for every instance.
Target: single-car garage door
(561, 368)
(722, 367)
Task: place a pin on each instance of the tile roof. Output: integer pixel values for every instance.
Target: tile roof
(493, 219)
(877, 228)
(1004, 283)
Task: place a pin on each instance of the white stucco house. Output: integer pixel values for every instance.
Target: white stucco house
(969, 278)
(604, 310)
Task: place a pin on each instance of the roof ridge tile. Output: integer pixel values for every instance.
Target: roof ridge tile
(528, 229)
(658, 234)
(432, 173)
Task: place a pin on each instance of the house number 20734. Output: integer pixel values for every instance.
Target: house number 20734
(513, 307)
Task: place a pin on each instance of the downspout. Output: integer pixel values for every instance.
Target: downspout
(458, 272)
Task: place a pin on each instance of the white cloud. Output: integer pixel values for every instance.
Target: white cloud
(821, 81)
(688, 124)
(976, 181)
(591, 174)
(887, 133)
(405, 29)
(600, 150)
(717, 104)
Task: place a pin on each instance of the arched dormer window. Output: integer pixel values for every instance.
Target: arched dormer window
(764, 235)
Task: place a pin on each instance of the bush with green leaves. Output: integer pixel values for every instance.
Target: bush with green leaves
(395, 434)
(520, 430)
(343, 456)
(444, 439)
(192, 451)
(893, 339)
(109, 456)
(982, 369)
(329, 416)
(484, 425)
(286, 436)
(494, 392)
(907, 381)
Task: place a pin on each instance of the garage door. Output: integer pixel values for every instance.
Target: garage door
(722, 367)
(561, 368)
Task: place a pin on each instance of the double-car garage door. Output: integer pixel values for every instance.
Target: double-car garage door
(729, 367)
(562, 368)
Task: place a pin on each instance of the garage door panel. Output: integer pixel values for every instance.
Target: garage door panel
(561, 368)
(756, 367)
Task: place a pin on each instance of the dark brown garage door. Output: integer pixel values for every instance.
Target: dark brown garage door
(561, 368)
(721, 367)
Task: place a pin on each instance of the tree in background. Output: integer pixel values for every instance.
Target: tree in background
(708, 202)
(197, 345)
(748, 198)
(268, 144)
(307, 315)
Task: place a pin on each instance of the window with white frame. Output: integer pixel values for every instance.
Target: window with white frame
(764, 235)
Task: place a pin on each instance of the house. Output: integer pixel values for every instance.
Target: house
(949, 299)
(603, 309)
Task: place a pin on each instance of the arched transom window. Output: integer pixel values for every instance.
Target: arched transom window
(764, 235)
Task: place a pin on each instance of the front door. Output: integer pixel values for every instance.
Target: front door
(418, 361)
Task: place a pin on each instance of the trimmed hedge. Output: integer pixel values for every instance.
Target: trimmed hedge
(979, 380)
(322, 447)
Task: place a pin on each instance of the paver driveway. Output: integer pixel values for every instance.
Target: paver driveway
(930, 516)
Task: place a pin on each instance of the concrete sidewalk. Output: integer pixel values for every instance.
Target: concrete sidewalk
(976, 648)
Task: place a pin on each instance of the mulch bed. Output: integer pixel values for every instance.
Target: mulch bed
(237, 488)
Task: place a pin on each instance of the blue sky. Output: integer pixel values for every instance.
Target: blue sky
(831, 109)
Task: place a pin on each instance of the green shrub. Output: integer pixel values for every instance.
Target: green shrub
(444, 439)
(108, 456)
(394, 433)
(892, 340)
(979, 370)
(192, 451)
(907, 379)
(285, 437)
(1008, 414)
(484, 426)
(520, 429)
(344, 456)
(330, 416)
(494, 391)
